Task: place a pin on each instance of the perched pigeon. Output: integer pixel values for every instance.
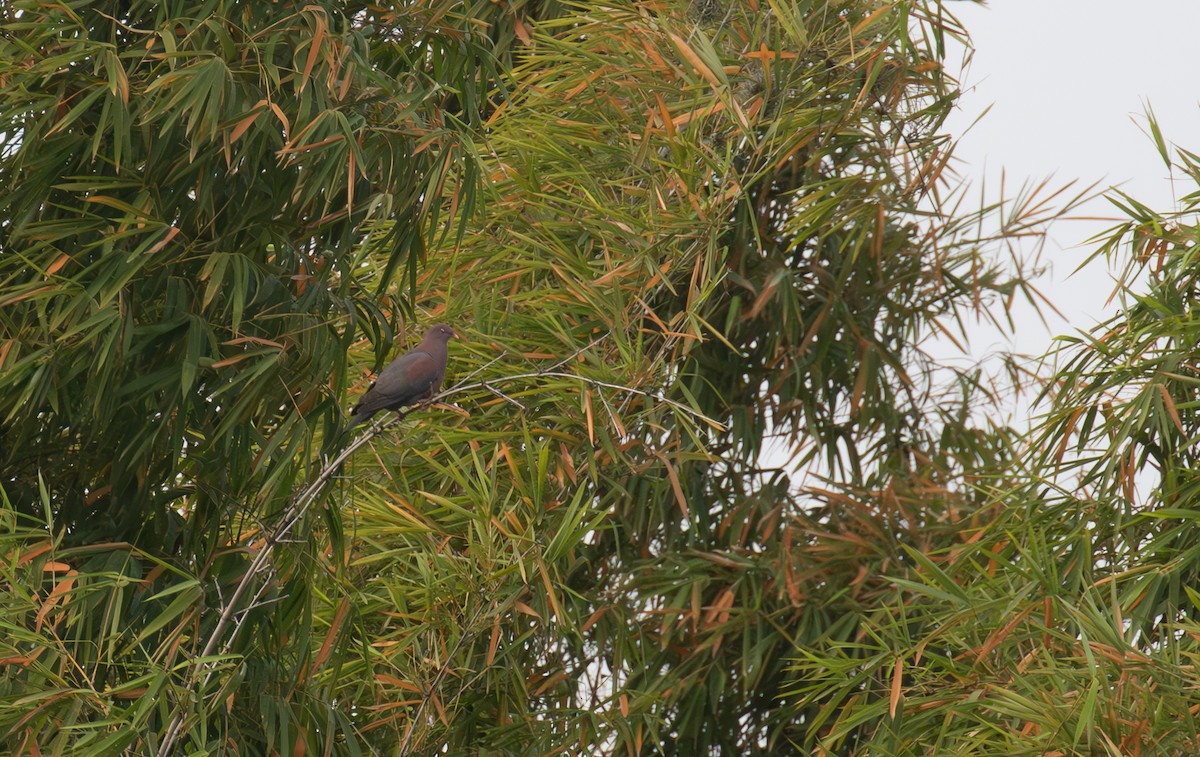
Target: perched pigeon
(414, 376)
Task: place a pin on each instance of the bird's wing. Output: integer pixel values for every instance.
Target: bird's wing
(405, 380)
(411, 367)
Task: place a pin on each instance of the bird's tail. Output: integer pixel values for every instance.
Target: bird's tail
(355, 419)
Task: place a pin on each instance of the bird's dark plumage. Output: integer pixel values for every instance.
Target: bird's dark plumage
(414, 376)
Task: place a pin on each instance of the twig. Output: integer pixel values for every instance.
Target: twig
(291, 516)
(460, 388)
(484, 367)
(579, 352)
(503, 396)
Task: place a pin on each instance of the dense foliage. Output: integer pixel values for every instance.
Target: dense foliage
(681, 242)
(184, 193)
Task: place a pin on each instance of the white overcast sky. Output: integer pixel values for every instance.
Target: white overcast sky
(1068, 82)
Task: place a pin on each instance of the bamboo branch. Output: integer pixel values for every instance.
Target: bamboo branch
(305, 500)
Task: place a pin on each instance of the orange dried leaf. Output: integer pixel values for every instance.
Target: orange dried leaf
(694, 59)
(587, 409)
(522, 31)
(229, 361)
(54, 267)
(558, 613)
(897, 678)
(591, 621)
(522, 607)
(56, 595)
(494, 643)
(243, 125)
(172, 232)
(676, 487)
(314, 49)
(287, 127)
(398, 683)
(1170, 403)
(42, 548)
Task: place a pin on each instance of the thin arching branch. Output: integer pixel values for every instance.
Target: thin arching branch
(292, 515)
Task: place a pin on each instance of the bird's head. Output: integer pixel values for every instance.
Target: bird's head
(441, 332)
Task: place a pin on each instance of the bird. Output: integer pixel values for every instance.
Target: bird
(411, 378)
